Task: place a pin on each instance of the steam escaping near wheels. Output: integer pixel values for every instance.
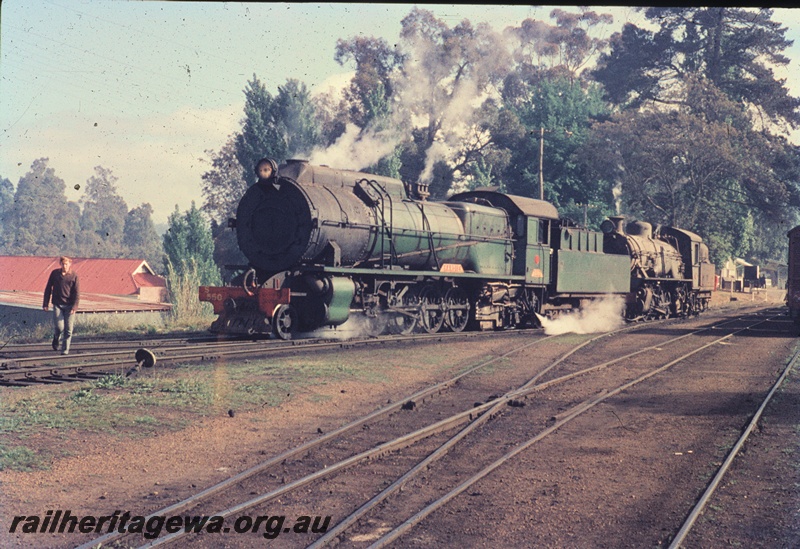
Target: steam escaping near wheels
(601, 315)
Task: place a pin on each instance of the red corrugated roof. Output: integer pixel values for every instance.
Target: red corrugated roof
(147, 279)
(97, 276)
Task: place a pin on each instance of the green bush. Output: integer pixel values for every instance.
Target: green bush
(187, 309)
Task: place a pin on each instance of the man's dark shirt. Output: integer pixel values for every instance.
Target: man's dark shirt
(64, 288)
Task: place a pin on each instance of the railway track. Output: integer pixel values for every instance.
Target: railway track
(558, 422)
(434, 435)
(703, 501)
(33, 365)
(325, 439)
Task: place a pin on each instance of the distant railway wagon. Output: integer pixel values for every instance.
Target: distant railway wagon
(793, 279)
(326, 245)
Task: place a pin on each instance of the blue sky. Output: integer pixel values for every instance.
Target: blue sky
(146, 88)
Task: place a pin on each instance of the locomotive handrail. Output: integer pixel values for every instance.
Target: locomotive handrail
(342, 210)
(247, 275)
(431, 247)
(378, 189)
(425, 221)
(388, 229)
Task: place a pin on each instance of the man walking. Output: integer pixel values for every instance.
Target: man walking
(65, 290)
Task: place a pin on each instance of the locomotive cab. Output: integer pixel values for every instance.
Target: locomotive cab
(697, 265)
(530, 221)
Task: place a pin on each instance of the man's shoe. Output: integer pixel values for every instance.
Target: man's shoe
(64, 352)
(55, 344)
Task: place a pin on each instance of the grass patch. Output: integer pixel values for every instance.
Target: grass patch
(187, 310)
(19, 458)
(145, 420)
(20, 334)
(104, 406)
(33, 421)
(109, 381)
(489, 369)
(88, 325)
(149, 323)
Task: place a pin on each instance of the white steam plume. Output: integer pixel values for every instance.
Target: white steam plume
(356, 326)
(427, 93)
(457, 119)
(617, 194)
(355, 149)
(602, 315)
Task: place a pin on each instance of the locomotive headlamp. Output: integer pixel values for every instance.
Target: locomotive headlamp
(266, 168)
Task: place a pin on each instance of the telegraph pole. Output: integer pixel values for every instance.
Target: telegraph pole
(541, 163)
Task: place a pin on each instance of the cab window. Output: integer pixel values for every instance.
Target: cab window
(544, 231)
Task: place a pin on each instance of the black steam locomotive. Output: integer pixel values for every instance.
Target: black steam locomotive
(326, 246)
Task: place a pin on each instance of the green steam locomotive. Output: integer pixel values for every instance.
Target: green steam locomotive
(326, 246)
